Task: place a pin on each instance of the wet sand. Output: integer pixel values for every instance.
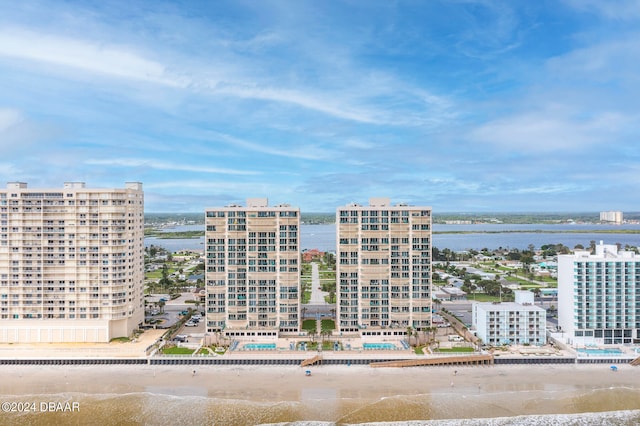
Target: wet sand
(354, 394)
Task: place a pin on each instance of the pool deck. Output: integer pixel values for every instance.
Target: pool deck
(353, 349)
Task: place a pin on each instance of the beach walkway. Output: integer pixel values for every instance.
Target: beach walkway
(484, 359)
(311, 361)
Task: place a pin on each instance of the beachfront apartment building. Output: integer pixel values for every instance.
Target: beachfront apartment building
(510, 323)
(71, 263)
(599, 296)
(383, 268)
(252, 269)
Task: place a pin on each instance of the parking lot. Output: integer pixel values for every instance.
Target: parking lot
(172, 313)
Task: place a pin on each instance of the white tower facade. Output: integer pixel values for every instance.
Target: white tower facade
(71, 263)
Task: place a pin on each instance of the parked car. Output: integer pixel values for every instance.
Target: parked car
(180, 338)
(191, 324)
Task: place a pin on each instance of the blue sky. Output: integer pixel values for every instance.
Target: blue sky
(465, 106)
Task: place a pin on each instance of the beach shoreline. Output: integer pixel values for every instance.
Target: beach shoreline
(343, 394)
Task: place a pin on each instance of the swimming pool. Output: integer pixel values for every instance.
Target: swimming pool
(600, 352)
(259, 346)
(386, 346)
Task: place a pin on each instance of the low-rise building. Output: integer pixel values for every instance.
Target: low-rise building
(450, 294)
(519, 322)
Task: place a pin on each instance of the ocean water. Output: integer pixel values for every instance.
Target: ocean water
(326, 407)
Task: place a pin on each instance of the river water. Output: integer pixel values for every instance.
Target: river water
(454, 237)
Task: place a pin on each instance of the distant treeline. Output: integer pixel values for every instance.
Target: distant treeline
(149, 232)
(180, 218)
(440, 218)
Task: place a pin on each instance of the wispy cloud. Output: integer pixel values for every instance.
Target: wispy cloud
(301, 150)
(95, 57)
(9, 118)
(486, 103)
(622, 10)
(167, 166)
(545, 132)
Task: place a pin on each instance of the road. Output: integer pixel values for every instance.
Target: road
(317, 306)
(317, 295)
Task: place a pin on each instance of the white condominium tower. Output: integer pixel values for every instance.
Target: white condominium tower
(599, 296)
(253, 269)
(71, 263)
(383, 268)
(611, 216)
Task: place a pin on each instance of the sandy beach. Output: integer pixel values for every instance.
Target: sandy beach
(334, 394)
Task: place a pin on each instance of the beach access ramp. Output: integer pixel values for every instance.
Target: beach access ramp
(311, 361)
(635, 362)
(482, 359)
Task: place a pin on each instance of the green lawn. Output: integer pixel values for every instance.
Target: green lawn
(452, 350)
(309, 324)
(483, 297)
(327, 324)
(177, 351)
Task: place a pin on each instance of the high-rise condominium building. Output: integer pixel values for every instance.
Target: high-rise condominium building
(611, 216)
(253, 269)
(71, 263)
(599, 296)
(383, 268)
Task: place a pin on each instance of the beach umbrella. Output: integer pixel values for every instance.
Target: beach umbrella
(614, 368)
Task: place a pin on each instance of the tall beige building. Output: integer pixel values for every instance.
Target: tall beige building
(253, 269)
(71, 263)
(383, 268)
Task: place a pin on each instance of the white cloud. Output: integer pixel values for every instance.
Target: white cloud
(356, 95)
(624, 10)
(9, 118)
(161, 165)
(612, 60)
(546, 189)
(301, 151)
(8, 169)
(549, 131)
(304, 99)
(95, 57)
